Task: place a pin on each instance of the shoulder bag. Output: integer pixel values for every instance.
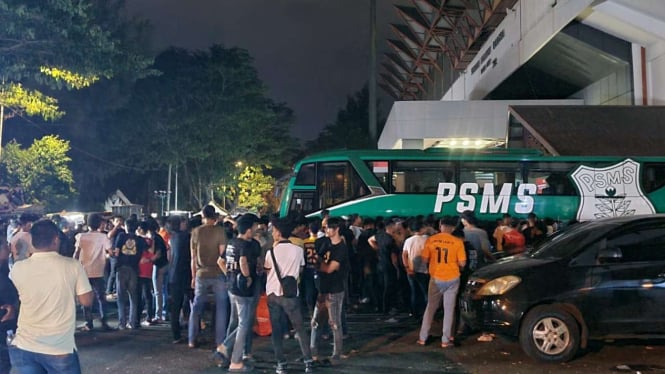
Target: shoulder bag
(289, 283)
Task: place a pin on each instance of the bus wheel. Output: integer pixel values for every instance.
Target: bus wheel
(550, 334)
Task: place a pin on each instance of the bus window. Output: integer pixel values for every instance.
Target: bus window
(306, 175)
(552, 177)
(653, 176)
(421, 176)
(338, 182)
(303, 202)
(381, 172)
(495, 173)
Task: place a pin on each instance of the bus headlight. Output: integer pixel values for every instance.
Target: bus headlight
(499, 286)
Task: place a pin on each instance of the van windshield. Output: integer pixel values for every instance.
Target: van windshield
(570, 240)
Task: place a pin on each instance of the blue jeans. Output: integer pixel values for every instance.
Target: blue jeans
(332, 302)
(280, 306)
(110, 285)
(26, 362)
(418, 282)
(309, 291)
(440, 290)
(127, 287)
(146, 297)
(159, 286)
(239, 326)
(218, 287)
(5, 365)
(98, 285)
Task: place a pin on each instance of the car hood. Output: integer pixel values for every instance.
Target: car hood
(514, 265)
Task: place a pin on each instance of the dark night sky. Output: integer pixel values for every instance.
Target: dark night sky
(311, 54)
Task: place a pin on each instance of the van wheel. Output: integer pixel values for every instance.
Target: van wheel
(550, 334)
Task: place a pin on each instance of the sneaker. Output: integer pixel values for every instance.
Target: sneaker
(281, 368)
(392, 320)
(309, 366)
(364, 300)
(85, 328)
(220, 359)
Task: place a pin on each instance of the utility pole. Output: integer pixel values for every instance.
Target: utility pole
(2, 122)
(168, 190)
(372, 73)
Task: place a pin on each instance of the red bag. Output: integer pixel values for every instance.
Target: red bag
(262, 326)
(513, 241)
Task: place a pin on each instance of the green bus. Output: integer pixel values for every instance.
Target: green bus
(489, 182)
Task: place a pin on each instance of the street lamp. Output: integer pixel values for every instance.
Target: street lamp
(161, 195)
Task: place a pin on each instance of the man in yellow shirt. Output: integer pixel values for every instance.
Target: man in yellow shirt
(446, 256)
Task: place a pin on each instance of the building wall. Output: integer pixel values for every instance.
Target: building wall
(529, 26)
(656, 74)
(614, 89)
(524, 30)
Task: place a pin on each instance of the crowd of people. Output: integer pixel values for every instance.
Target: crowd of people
(311, 270)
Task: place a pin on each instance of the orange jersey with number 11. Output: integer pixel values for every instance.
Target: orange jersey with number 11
(444, 251)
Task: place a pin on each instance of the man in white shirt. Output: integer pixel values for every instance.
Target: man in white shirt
(90, 249)
(290, 262)
(48, 285)
(416, 271)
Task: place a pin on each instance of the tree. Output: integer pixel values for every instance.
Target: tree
(56, 44)
(350, 130)
(206, 111)
(42, 170)
(249, 189)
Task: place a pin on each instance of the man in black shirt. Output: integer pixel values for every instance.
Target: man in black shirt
(333, 271)
(179, 273)
(387, 266)
(128, 250)
(241, 256)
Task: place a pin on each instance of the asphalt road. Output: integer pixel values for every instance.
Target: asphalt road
(374, 346)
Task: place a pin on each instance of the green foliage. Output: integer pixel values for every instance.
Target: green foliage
(203, 113)
(88, 38)
(58, 44)
(42, 170)
(31, 102)
(249, 189)
(71, 79)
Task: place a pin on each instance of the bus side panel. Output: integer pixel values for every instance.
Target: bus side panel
(561, 208)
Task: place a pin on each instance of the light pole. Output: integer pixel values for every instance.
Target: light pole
(161, 195)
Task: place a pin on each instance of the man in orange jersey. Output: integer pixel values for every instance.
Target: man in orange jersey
(446, 256)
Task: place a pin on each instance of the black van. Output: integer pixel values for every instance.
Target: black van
(597, 279)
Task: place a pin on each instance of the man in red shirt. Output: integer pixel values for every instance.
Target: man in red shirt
(446, 256)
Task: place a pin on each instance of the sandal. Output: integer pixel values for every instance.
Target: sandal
(420, 342)
(447, 345)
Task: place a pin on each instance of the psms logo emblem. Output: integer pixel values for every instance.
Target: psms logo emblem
(612, 191)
